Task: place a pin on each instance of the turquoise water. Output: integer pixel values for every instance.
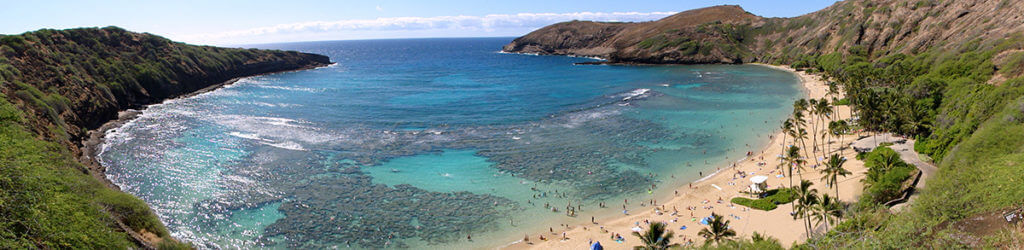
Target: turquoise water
(421, 142)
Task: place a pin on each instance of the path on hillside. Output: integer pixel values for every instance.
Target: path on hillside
(907, 153)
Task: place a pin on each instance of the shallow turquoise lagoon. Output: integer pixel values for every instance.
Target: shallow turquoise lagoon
(420, 142)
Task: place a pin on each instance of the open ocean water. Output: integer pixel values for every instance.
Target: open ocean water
(420, 142)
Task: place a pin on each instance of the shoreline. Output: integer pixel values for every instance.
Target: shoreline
(703, 194)
(91, 144)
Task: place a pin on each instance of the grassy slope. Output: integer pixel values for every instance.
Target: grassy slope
(974, 127)
(48, 202)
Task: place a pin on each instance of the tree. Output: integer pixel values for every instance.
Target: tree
(824, 112)
(812, 110)
(760, 238)
(799, 133)
(839, 128)
(878, 162)
(717, 231)
(833, 169)
(828, 210)
(792, 159)
(656, 237)
(787, 128)
(799, 122)
(807, 198)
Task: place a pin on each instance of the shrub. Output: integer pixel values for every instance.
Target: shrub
(771, 200)
(781, 195)
(761, 204)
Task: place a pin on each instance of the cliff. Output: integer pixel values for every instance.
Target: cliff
(55, 85)
(728, 34)
(680, 38)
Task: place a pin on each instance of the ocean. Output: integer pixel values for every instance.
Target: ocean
(420, 143)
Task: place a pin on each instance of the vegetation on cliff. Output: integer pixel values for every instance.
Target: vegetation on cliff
(948, 73)
(57, 84)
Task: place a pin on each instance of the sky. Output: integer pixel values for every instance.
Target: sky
(236, 22)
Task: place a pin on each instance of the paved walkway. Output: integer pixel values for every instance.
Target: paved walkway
(907, 153)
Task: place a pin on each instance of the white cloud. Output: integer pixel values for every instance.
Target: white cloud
(439, 26)
(379, 8)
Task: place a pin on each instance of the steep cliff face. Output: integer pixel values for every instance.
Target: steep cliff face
(728, 34)
(681, 38)
(578, 38)
(57, 84)
(876, 28)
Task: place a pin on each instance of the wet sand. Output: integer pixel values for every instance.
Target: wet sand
(704, 196)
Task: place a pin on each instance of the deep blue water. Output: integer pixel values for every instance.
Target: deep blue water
(419, 142)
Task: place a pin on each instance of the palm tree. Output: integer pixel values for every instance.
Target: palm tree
(833, 92)
(801, 134)
(828, 210)
(758, 238)
(812, 111)
(717, 231)
(841, 128)
(792, 159)
(824, 111)
(833, 131)
(888, 160)
(807, 198)
(656, 237)
(787, 128)
(833, 169)
(798, 132)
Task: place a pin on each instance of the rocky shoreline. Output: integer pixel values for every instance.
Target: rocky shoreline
(90, 145)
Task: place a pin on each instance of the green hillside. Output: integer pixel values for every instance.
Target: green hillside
(55, 85)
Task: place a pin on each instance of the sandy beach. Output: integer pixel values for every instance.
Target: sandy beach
(705, 196)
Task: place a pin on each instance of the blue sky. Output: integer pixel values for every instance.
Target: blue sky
(259, 21)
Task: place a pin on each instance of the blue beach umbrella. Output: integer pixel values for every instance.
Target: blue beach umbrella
(596, 246)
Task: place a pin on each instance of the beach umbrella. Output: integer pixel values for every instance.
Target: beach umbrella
(637, 229)
(596, 246)
(682, 228)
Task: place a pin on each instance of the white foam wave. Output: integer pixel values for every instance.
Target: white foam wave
(286, 145)
(275, 105)
(589, 57)
(300, 89)
(252, 136)
(518, 53)
(636, 93)
(577, 119)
